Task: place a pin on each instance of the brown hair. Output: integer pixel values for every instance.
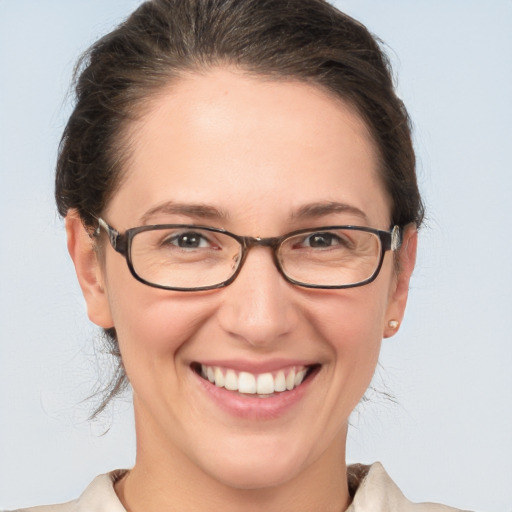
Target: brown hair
(306, 40)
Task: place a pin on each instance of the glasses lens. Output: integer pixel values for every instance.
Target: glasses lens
(337, 257)
(184, 257)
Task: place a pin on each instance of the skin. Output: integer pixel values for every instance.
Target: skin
(257, 151)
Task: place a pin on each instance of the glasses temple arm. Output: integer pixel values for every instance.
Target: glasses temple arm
(396, 238)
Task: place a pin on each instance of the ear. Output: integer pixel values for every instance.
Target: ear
(88, 270)
(399, 292)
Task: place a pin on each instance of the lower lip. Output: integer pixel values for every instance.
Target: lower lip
(251, 406)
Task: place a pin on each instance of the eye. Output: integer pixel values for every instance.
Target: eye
(188, 240)
(322, 240)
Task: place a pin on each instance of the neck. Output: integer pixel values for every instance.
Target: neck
(165, 478)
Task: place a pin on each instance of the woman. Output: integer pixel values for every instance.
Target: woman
(241, 206)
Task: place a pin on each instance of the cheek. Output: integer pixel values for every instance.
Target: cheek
(152, 325)
(351, 320)
(350, 324)
(355, 338)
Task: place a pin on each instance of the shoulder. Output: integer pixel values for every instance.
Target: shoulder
(99, 496)
(374, 490)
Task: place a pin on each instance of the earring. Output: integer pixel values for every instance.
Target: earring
(393, 324)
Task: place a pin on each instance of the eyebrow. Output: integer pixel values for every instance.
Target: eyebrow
(199, 210)
(313, 210)
(208, 212)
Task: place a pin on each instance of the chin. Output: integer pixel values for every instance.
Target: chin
(259, 468)
(256, 477)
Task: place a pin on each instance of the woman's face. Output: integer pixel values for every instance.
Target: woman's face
(259, 158)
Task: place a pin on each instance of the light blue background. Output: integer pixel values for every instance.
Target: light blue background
(449, 438)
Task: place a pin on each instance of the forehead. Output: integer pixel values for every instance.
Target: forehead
(248, 145)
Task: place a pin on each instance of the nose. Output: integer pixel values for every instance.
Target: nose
(258, 307)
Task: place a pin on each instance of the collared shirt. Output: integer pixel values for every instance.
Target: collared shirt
(371, 488)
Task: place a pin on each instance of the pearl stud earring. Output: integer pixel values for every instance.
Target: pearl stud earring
(393, 324)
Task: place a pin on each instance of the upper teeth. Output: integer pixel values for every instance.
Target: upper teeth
(261, 384)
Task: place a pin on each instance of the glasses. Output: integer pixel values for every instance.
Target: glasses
(186, 257)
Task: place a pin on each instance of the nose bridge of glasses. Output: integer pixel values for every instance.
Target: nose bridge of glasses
(250, 241)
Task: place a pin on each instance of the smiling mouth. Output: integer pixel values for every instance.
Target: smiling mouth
(263, 385)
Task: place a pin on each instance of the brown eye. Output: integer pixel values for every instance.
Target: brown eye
(190, 240)
(185, 240)
(322, 240)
